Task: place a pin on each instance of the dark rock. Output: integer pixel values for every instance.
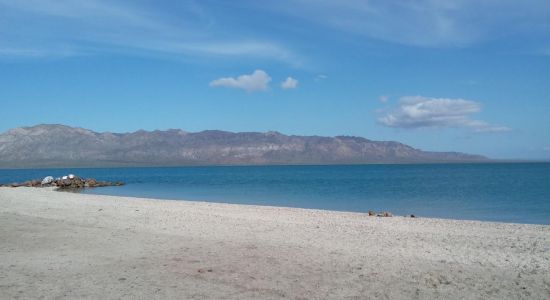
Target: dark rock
(71, 182)
(90, 182)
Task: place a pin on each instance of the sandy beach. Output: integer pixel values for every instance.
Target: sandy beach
(67, 245)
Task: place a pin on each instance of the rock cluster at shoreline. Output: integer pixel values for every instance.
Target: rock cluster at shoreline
(69, 182)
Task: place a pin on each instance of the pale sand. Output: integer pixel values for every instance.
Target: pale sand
(57, 245)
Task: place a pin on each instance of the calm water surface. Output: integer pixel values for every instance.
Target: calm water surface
(491, 192)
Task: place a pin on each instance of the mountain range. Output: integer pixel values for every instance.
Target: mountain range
(64, 146)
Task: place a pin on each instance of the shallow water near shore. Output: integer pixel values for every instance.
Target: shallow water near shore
(518, 192)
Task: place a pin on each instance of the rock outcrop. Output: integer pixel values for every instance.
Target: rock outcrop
(69, 182)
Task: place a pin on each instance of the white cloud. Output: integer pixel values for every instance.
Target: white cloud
(289, 83)
(257, 81)
(384, 98)
(418, 111)
(321, 77)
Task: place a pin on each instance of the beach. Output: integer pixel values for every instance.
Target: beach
(69, 245)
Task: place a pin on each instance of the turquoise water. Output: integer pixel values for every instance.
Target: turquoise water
(491, 192)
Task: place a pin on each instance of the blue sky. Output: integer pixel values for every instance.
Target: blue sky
(471, 76)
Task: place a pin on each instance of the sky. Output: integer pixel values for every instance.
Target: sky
(469, 76)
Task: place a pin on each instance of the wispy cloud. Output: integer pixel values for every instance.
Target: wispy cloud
(193, 29)
(383, 98)
(19, 52)
(544, 51)
(44, 26)
(321, 77)
(417, 112)
(257, 81)
(289, 83)
(426, 23)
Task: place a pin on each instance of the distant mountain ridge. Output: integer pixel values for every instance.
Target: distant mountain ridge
(64, 146)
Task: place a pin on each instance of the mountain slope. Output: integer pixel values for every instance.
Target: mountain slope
(62, 146)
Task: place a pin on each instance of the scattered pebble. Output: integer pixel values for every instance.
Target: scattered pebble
(203, 270)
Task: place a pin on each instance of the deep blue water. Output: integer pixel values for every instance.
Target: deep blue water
(517, 192)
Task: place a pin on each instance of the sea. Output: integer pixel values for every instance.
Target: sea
(501, 192)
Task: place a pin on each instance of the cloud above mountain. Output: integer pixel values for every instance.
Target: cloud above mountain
(418, 112)
(257, 81)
